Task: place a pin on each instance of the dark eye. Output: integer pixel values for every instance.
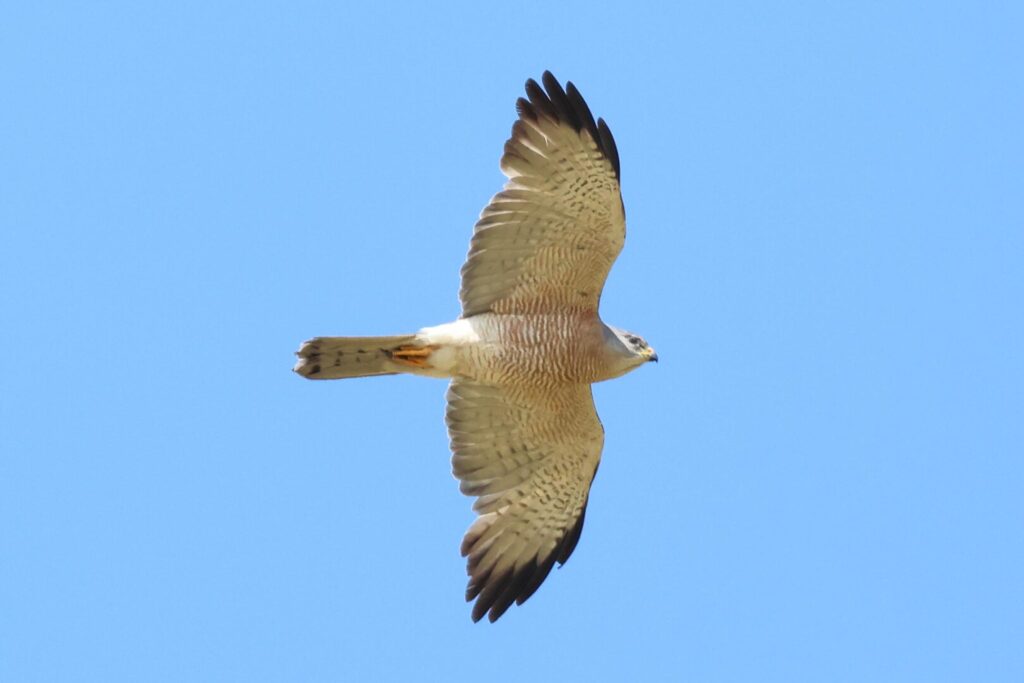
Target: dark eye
(635, 341)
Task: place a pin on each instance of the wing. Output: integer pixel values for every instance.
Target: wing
(549, 238)
(529, 457)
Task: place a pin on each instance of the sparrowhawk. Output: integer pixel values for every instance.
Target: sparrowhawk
(525, 436)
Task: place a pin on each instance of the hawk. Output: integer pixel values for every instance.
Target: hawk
(525, 436)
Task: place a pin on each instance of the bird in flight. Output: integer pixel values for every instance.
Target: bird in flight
(525, 436)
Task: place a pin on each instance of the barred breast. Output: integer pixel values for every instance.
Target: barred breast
(520, 349)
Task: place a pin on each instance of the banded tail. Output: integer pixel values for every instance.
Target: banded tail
(340, 357)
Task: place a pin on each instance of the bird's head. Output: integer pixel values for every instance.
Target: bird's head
(633, 348)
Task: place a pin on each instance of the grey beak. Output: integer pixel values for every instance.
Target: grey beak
(654, 357)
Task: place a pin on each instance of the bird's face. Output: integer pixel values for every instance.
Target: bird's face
(640, 348)
(636, 348)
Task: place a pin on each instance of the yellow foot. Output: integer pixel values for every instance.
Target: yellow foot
(414, 356)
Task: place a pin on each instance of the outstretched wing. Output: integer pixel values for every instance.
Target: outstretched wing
(549, 238)
(529, 456)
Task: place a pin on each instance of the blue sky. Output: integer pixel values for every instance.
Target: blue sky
(821, 480)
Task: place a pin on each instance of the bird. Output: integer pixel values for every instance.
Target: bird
(525, 436)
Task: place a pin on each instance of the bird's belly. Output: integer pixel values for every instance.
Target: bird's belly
(536, 349)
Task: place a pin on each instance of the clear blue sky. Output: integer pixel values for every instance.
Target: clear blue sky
(822, 480)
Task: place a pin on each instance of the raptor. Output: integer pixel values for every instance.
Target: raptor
(525, 436)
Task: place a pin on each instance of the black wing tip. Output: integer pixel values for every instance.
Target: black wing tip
(525, 109)
(494, 595)
(567, 106)
(607, 145)
(571, 539)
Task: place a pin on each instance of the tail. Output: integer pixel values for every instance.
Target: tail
(339, 357)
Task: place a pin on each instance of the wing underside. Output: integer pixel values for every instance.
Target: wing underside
(529, 457)
(549, 238)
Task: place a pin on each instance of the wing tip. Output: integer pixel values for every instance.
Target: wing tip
(567, 106)
(494, 594)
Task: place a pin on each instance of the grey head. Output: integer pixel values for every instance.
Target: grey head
(632, 349)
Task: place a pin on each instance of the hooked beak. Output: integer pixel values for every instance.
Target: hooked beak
(653, 357)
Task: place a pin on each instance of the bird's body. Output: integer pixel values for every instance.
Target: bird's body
(538, 351)
(518, 349)
(525, 436)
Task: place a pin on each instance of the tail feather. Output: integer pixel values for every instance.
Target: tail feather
(340, 357)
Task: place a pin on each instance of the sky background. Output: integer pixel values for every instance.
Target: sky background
(823, 478)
